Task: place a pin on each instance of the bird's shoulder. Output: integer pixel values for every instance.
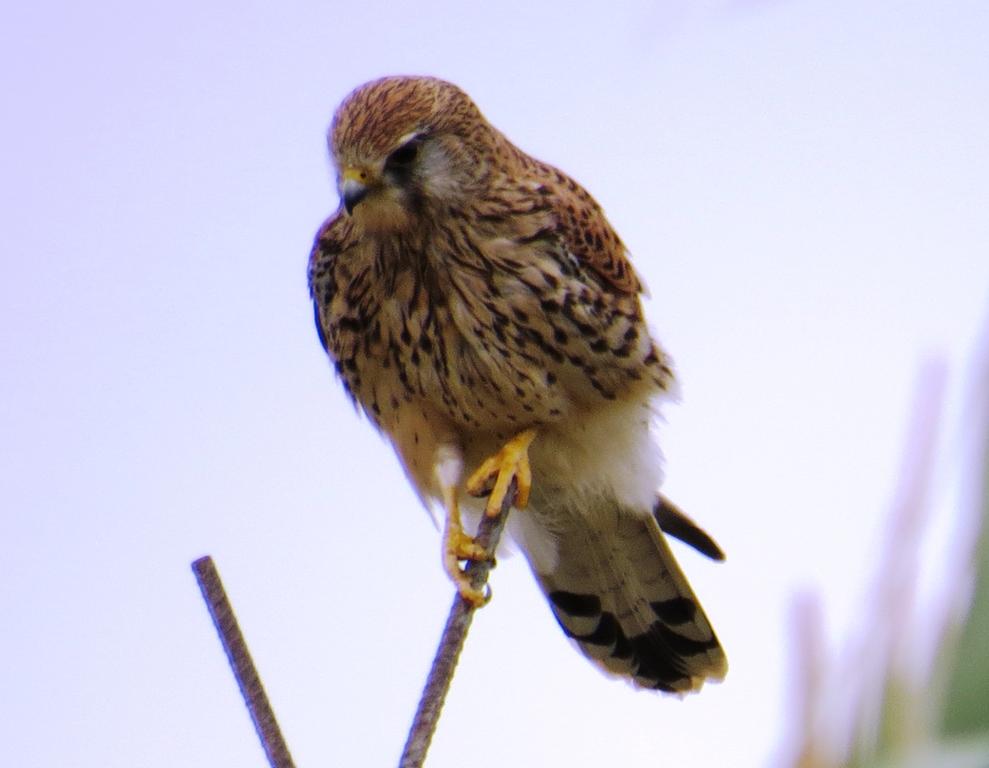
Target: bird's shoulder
(583, 228)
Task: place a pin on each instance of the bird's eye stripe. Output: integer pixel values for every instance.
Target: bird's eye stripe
(404, 155)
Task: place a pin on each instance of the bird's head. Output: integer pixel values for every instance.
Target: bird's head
(403, 146)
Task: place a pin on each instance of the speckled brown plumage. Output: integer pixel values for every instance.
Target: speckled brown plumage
(465, 292)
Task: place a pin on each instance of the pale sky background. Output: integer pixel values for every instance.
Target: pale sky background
(804, 186)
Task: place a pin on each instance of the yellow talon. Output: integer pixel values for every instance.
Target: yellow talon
(461, 546)
(457, 546)
(494, 476)
(512, 461)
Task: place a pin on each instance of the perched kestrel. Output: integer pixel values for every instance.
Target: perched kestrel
(483, 313)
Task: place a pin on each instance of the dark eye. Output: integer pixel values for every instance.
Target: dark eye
(403, 157)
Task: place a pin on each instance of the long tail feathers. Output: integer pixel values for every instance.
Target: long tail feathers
(676, 524)
(619, 593)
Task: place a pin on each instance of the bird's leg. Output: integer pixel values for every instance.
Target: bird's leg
(457, 544)
(496, 473)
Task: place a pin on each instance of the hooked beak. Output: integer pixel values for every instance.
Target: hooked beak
(353, 189)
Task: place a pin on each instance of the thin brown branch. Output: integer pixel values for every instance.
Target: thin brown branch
(240, 661)
(452, 643)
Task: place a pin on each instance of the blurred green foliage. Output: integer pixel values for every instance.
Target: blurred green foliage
(885, 716)
(966, 704)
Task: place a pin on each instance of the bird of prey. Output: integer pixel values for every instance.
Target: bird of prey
(482, 312)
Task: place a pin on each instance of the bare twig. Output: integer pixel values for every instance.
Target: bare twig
(452, 643)
(240, 661)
